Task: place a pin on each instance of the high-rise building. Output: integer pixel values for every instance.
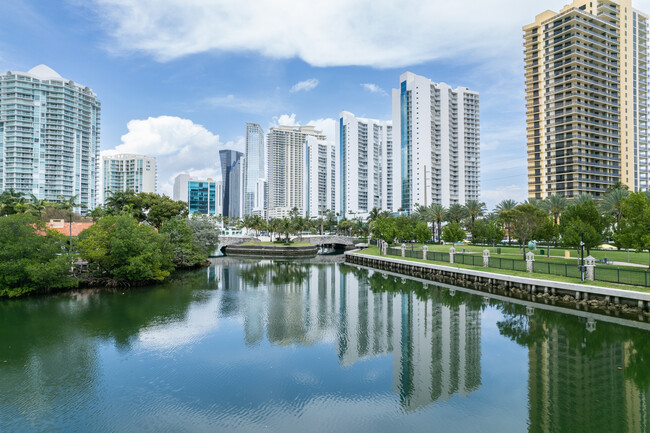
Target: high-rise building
(200, 194)
(254, 169)
(228, 160)
(320, 188)
(236, 189)
(290, 172)
(49, 136)
(437, 129)
(586, 71)
(366, 174)
(128, 172)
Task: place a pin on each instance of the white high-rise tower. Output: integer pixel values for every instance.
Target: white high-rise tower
(438, 134)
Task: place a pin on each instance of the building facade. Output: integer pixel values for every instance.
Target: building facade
(201, 195)
(49, 137)
(586, 72)
(438, 131)
(253, 169)
(320, 188)
(289, 171)
(128, 172)
(228, 160)
(236, 188)
(366, 172)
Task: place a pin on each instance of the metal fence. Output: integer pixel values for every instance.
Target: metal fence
(605, 274)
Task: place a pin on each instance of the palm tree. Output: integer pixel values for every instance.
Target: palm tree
(555, 205)
(118, 200)
(285, 226)
(373, 215)
(37, 206)
(456, 213)
(438, 213)
(504, 211)
(539, 204)
(506, 205)
(611, 204)
(583, 198)
(69, 204)
(474, 209)
(11, 201)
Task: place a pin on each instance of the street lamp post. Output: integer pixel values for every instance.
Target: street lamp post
(582, 256)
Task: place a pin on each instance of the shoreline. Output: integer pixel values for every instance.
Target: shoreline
(609, 300)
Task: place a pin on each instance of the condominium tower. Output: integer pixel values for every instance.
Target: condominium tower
(366, 177)
(253, 170)
(438, 132)
(228, 160)
(128, 172)
(295, 173)
(49, 136)
(586, 76)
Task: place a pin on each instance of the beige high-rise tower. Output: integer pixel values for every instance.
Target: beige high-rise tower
(586, 71)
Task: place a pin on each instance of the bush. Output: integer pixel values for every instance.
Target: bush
(119, 248)
(32, 259)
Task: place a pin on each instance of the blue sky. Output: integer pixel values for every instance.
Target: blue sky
(178, 79)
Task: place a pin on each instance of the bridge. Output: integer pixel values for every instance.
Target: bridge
(339, 242)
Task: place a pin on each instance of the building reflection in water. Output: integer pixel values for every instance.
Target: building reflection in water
(433, 336)
(584, 375)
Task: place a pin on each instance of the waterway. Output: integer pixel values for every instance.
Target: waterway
(247, 346)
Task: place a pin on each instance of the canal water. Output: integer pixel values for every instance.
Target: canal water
(314, 347)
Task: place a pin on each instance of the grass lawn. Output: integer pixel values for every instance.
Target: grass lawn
(374, 251)
(514, 252)
(279, 244)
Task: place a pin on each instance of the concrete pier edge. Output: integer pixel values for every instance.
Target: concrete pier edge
(579, 292)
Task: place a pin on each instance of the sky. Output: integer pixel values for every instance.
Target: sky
(179, 79)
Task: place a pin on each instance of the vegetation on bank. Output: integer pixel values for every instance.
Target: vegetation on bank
(32, 257)
(374, 251)
(277, 244)
(620, 217)
(137, 239)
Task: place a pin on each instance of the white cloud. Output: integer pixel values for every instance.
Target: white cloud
(305, 86)
(284, 119)
(245, 105)
(179, 145)
(517, 192)
(326, 125)
(381, 33)
(373, 88)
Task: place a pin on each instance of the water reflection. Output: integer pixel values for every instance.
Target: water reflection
(242, 342)
(584, 374)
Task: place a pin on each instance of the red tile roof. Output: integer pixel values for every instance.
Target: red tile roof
(76, 228)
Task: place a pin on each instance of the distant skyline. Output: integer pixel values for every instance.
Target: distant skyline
(179, 81)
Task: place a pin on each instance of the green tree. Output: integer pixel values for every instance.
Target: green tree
(422, 232)
(582, 217)
(31, 257)
(548, 232)
(185, 248)
(385, 228)
(527, 219)
(612, 203)
(11, 202)
(69, 204)
(634, 229)
(474, 209)
(555, 205)
(119, 248)
(453, 233)
(159, 208)
(456, 213)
